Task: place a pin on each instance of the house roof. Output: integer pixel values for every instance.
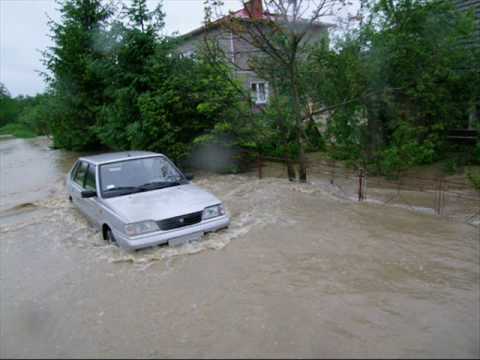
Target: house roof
(244, 14)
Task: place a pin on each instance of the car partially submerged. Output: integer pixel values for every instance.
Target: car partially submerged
(140, 199)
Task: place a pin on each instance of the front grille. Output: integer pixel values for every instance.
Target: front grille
(180, 221)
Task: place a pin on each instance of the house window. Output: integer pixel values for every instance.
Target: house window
(259, 92)
(189, 53)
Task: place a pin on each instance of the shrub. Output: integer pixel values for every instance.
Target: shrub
(450, 166)
(474, 177)
(18, 130)
(407, 150)
(476, 153)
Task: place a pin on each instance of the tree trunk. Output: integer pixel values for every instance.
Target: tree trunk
(472, 115)
(290, 169)
(302, 168)
(374, 130)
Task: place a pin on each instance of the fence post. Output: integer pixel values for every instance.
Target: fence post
(365, 185)
(439, 197)
(290, 170)
(259, 166)
(332, 173)
(360, 185)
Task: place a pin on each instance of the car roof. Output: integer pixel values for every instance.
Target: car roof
(117, 156)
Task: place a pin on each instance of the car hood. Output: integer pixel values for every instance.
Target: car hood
(162, 203)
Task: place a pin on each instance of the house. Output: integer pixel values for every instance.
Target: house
(239, 51)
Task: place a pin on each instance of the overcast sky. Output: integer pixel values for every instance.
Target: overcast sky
(24, 31)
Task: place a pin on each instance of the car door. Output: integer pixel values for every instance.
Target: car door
(91, 205)
(77, 184)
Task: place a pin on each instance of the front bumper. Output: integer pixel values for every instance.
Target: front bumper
(163, 237)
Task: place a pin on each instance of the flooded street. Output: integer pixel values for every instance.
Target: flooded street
(299, 273)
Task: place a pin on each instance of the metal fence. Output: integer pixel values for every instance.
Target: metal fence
(455, 199)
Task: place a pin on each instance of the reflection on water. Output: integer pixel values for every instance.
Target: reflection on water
(304, 274)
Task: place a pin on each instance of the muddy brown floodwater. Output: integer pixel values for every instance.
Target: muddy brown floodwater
(300, 273)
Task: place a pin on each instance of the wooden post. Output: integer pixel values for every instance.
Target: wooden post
(360, 185)
(259, 166)
(365, 185)
(441, 196)
(333, 165)
(438, 198)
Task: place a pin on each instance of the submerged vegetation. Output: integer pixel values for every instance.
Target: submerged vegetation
(389, 88)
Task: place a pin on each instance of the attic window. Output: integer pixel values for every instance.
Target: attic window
(259, 92)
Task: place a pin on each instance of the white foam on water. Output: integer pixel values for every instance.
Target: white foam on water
(251, 203)
(241, 225)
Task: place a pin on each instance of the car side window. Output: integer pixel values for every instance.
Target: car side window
(80, 174)
(90, 183)
(74, 170)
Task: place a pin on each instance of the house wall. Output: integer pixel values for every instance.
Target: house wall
(244, 51)
(193, 43)
(238, 50)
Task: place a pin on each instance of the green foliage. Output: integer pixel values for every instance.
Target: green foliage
(8, 108)
(24, 116)
(450, 166)
(190, 99)
(407, 67)
(18, 130)
(12, 107)
(476, 153)
(141, 18)
(127, 75)
(390, 88)
(279, 129)
(457, 158)
(120, 84)
(77, 86)
(407, 149)
(419, 55)
(474, 176)
(347, 134)
(37, 117)
(155, 99)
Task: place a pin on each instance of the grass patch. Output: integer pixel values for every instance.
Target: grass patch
(17, 130)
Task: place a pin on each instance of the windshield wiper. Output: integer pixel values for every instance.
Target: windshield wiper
(158, 185)
(123, 189)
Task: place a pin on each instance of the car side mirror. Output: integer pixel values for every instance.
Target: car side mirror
(88, 193)
(189, 176)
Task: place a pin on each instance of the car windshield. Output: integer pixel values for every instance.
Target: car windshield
(129, 176)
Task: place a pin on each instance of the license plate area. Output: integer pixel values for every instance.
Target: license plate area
(181, 240)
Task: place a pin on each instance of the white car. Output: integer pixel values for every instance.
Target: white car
(140, 199)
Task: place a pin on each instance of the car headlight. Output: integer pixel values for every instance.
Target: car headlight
(141, 228)
(213, 211)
